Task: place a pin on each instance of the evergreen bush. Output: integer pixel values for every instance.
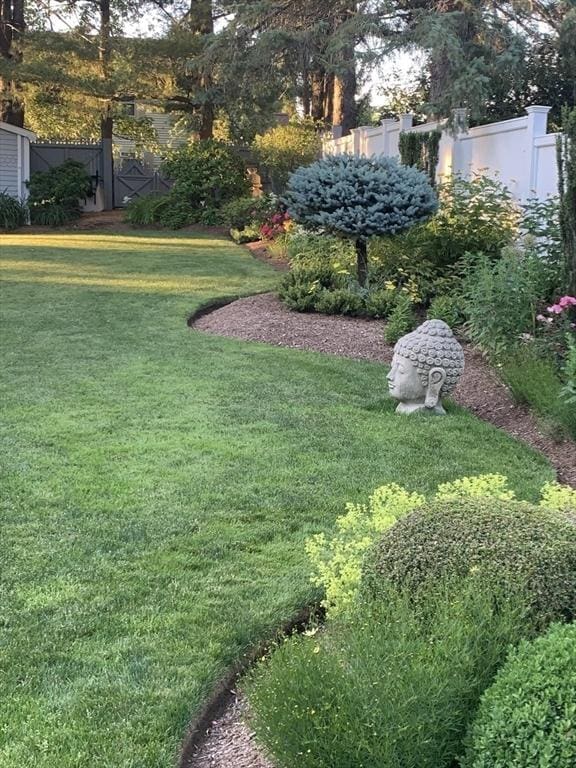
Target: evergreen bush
(527, 717)
(511, 544)
(359, 197)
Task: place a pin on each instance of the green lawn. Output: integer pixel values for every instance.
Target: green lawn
(158, 484)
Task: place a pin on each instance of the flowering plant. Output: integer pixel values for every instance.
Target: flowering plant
(276, 225)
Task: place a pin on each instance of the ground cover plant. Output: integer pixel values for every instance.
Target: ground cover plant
(159, 485)
(389, 684)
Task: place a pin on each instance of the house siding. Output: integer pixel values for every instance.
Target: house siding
(9, 171)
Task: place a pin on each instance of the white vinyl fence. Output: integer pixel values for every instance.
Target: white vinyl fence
(517, 152)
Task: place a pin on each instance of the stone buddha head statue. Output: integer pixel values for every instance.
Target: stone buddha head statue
(426, 366)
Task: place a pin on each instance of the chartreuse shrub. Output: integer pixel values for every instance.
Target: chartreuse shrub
(358, 198)
(512, 544)
(55, 194)
(527, 717)
(285, 148)
(13, 212)
(390, 683)
(337, 561)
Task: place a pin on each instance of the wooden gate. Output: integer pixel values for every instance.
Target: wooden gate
(134, 179)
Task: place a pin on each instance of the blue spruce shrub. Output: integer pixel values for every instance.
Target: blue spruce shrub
(359, 197)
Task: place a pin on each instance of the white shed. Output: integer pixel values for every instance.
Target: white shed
(14, 159)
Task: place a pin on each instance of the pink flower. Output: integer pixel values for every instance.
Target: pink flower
(567, 301)
(541, 319)
(555, 309)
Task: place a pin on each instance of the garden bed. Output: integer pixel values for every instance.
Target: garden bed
(264, 318)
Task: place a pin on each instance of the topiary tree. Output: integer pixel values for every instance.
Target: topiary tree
(359, 197)
(508, 543)
(526, 718)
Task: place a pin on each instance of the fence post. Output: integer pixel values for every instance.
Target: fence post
(387, 124)
(460, 127)
(406, 122)
(537, 126)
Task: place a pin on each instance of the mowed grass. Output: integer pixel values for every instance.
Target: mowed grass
(158, 485)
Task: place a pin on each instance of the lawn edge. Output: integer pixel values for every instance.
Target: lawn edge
(223, 692)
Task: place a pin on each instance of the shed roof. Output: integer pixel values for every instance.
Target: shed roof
(20, 131)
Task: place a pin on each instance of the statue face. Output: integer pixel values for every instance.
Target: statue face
(404, 381)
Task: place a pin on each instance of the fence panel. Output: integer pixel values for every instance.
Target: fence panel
(518, 152)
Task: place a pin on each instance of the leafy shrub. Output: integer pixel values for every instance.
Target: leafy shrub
(243, 212)
(540, 225)
(275, 225)
(249, 234)
(386, 685)
(206, 175)
(526, 718)
(55, 194)
(299, 289)
(359, 197)
(397, 263)
(511, 544)
(286, 147)
(13, 212)
(568, 391)
(401, 320)
(447, 308)
(475, 216)
(379, 303)
(501, 298)
(310, 250)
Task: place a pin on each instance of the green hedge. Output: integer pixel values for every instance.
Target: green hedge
(527, 719)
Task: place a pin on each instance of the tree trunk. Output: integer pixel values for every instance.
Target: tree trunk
(344, 105)
(328, 105)
(318, 94)
(201, 22)
(361, 261)
(12, 27)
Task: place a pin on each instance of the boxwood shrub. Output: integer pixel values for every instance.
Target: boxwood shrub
(528, 716)
(508, 543)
